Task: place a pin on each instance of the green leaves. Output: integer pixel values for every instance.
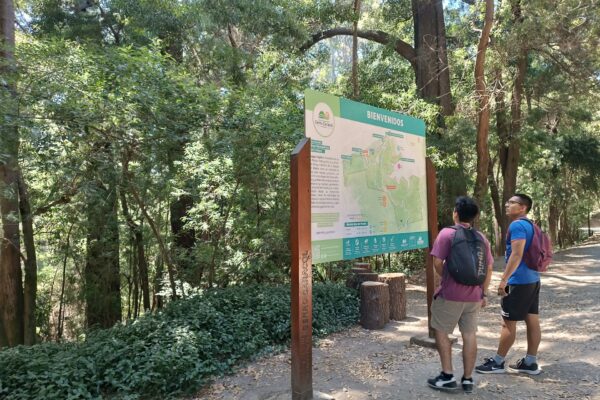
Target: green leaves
(172, 352)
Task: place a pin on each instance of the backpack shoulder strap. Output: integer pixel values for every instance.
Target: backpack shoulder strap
(533, 227)
(526, 219)
(480, 236)
(459, 226)
(520, 219)
(469, 233)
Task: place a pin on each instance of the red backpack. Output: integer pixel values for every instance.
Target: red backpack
(539, 254)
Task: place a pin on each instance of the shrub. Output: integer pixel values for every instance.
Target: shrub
(173, 352)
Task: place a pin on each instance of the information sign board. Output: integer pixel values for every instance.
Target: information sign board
(368, 190)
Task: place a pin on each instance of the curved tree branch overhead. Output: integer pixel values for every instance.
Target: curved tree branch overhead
(402, 48)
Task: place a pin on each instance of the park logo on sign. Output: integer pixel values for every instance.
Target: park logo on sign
(323, 120)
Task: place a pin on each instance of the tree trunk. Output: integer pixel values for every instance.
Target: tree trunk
(166, 256)
(498, 210)
(142, 281)
(129, 289)
(512, 158)
(504, 140)
(141, 264)
(563, 229)
(102, 279)
(553, 212)
(61, 302)
(219, 236)
(510, 142)
(135, 280)
(356, 17)
(157, 299)
(508, 134)
(30, 287)
(432, 72)
(483, 124)
(11, 289)
(184, 239)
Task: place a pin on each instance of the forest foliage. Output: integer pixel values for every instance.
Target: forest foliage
(174, 351)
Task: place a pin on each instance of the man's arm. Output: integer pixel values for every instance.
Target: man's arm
(518, 246)
(438, 264)
(488, 278)
(486, 284)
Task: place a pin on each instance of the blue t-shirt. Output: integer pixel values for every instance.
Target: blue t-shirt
(523, 275)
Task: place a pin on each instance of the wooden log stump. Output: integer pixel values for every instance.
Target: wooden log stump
(397, 286)
(366, 277)
(358, 276)
(364, 265)
(374, 305)
(352, 280)
(356, 270)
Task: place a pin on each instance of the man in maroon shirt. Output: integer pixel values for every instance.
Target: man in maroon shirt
(455, 303)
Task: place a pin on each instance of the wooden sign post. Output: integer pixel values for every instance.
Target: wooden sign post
(300, 238)
(433, 232)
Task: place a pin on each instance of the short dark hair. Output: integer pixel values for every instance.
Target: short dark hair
(466, 208)
(527, 202)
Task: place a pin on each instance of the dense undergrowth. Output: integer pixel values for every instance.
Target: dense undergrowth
(173, 352)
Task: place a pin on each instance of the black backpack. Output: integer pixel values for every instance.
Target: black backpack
(467, 262)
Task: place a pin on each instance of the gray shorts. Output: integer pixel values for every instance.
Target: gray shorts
(445, 314)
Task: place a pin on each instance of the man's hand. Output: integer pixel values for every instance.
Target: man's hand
(502, 288)
(483, 302)
(518, 247)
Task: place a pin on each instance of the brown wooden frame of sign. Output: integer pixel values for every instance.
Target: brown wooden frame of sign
(432, 221)
(300, 239)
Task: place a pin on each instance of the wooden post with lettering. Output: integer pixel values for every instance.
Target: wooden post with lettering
(300, 237)
(432, 218)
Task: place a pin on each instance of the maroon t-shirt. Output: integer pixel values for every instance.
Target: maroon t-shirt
(450, 289)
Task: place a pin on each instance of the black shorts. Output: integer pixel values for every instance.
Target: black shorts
(520, 301)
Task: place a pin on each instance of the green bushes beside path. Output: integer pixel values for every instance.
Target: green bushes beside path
(173, 352)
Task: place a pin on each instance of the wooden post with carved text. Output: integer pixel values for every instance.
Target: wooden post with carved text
(300, 238)
(432, 218)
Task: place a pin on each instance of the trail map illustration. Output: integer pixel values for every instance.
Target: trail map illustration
(368, 179)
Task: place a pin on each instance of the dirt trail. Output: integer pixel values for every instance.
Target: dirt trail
(360, 364)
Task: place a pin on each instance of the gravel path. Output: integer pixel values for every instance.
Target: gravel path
(361, 364)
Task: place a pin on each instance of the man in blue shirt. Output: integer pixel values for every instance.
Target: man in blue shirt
(520, 291)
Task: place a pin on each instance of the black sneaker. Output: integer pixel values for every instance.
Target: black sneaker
(523, 368)
(442, 382)
(490, 366)
(467, 384)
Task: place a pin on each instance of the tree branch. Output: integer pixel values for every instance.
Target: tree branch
(402, 48)
(21, 255)
(574, 71)
(65, 198)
